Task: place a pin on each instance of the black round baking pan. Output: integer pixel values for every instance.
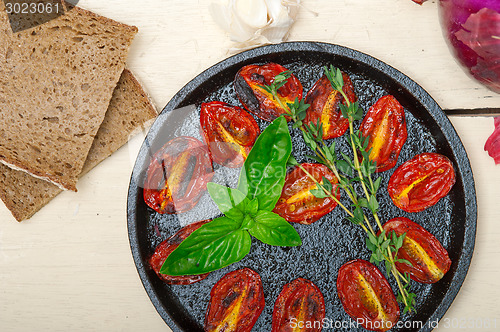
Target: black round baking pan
(331, 241)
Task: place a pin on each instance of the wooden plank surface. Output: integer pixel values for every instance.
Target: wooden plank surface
(69, 268)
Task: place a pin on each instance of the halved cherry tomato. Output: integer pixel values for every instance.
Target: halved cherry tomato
(178, 175)
(300, 307)
(430, 261)
(297, 204)
(367, 296)
(421, 182)
(229, 131)
(236, 301)
(325, 103)
(385, 123)
(166, 247)
(248, 86)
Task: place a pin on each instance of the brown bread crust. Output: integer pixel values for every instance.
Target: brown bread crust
(56, 82)
(129, 109)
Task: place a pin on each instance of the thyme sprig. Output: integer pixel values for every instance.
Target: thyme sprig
(278, 82)
(349, 172)
(385, 248)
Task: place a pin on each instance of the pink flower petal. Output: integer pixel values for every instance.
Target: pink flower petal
(492, 144)
(481, 32)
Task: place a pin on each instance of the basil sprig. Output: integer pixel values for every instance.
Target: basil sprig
(247, 209)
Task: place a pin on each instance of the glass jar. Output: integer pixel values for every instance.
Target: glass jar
(472, 30)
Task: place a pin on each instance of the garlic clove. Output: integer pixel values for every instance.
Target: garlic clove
(240, 32)
(274, 9)
(255, 22)
(276, 34)
(252, 12)
(281, 18)
(225, 17)
(278, 9)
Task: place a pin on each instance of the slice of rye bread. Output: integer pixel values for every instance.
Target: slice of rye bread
(129, 109)
(56, 82)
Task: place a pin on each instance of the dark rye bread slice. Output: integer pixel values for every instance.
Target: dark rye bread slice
(129, 109)
(56, 81)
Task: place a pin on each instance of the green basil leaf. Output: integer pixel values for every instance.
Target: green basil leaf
(231, 202)
(213, 246)
(274, 230)
(247, 222)
(263, 174)
(252, 207)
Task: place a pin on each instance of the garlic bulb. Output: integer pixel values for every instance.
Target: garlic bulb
(255, 22)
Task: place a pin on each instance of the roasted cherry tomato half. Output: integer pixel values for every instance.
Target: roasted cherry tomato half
(178, 175)
(297, 204)
(166, 247)
(367, 296)
(236, 302)
(300, 307)
(385, 124)
(421, 182)
(430, 261)
(325, 103)
(229, 132)
(248, 86)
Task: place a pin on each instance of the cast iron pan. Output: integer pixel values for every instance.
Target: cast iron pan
(331, 241)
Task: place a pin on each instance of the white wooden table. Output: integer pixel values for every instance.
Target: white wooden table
(69, 268)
